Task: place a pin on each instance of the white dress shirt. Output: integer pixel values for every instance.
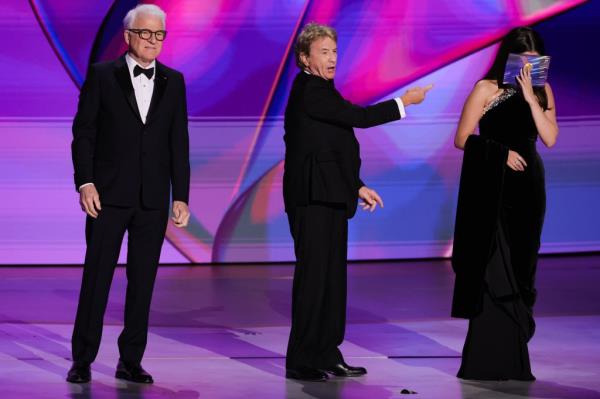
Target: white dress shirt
(143, 89)
(142, 86)
(400, 107)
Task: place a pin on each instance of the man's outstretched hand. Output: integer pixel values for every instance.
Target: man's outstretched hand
(415, 95)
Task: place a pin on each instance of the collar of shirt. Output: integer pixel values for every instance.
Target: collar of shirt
(131, 63)
(326, 80)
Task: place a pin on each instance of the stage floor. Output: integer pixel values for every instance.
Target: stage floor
(221, 332)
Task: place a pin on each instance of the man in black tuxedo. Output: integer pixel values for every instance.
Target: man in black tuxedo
(130, 148)
(321, 188)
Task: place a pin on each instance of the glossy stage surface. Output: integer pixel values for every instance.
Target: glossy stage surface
(220, 332)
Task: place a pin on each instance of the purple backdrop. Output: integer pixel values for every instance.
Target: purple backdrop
(237, 59)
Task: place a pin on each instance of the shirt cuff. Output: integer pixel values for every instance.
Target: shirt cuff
(400, 107)
(83, 185)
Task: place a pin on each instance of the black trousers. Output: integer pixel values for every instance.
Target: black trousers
(104, 236)
(320, 235)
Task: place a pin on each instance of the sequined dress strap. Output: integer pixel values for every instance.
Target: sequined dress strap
(505, 95)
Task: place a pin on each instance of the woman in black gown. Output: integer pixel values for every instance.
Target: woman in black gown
(500, 214)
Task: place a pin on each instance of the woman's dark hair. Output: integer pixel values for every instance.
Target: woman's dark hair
(518, 40)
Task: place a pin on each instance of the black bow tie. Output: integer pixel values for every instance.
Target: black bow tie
(138, 70)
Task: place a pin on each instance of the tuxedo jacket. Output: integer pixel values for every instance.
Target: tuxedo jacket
(126, 159)
(322, 155)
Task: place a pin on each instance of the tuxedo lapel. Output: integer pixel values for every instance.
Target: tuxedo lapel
(160, 84)
(124, 80)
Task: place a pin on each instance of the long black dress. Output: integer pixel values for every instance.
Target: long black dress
(502, 212)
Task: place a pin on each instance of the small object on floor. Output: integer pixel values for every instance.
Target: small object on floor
(79, 373)
(408, 392)
(133, 373)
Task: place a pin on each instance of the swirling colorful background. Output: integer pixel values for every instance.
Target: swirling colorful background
(238, 63)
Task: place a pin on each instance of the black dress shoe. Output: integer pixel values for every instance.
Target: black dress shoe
(133, 373)
(79, 373)
(305, 374)
(343, 370)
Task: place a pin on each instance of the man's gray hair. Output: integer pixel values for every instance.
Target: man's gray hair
(147, 9)
(311, 32)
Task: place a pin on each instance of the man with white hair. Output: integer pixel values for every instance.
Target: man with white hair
(130, 154)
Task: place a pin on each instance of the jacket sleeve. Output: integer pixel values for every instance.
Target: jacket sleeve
(85, 126)
(324, 103)
(180, 148)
